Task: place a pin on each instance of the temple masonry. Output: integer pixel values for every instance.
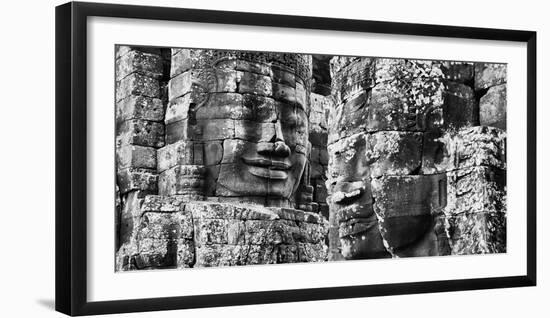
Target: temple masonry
(239, 158)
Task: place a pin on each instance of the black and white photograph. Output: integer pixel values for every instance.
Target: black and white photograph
(231, 158)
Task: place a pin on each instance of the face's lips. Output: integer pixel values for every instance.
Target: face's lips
(356, 226)
(266, 168)
(345, 197)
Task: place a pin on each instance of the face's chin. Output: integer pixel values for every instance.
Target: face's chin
(361, 231)
(358, 225)
(364, 245)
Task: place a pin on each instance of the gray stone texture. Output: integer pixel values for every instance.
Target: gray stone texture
(228, 158)
(417, 158)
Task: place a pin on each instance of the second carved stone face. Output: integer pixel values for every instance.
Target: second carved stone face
(381, 204)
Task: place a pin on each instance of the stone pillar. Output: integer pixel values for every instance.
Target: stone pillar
(139, 132)
(490, 85)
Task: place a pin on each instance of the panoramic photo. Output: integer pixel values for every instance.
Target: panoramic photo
(230, 158)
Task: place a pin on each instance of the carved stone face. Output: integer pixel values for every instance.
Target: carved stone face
(351, 200)
(269, 157)
(382, 206)
(254, 126)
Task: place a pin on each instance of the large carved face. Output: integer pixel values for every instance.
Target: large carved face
(268, 158)
(380, 203)
(255, 130)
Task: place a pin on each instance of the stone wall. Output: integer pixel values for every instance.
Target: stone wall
(238, 158)
(139, 133)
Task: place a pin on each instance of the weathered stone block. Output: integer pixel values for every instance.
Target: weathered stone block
(178, 108)
(477, 189)
(225, 106)
(139, 62)
(181, 62)
(181, 131)
(226, 81)
(311, 232)
(262, 107)
(139, 107)
(393, 153)
(165, 225)
(489, 74)
(137, 179)
(297, 215)
(439, 152)
(129, 218)
(460, 72)
(216, 129)
(254, 84)
(320, 193)
(159, 203)
(121, 50)
(492, 107)
(185, 254)
(352, 78)
(181, 179)
(481, 146)
(320, 106)
(302, 97)
(137, 84)
(284, 93)
(260, 232)
(136, 157)
(171, 155)
(468, 147)
(202, 82)
(258, 254)
(164, 253)
(283, 77)
(213, 210)
(141, 133)
(210, 231)
(460, 108)
(180, 85)
(347, 159)
(252, 67)
(253, 131)
(213, 152)
(221, 255)
(211, 179)
(478, 233)
(308, 252)
(399, 196)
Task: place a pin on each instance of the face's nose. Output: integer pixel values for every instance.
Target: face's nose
(276, 146)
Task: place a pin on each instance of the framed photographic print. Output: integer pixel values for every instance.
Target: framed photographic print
(208, 158)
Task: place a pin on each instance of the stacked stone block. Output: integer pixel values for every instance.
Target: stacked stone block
(178, 233)
(318, 161)
(474, 159)
(490, 85)
(139, 132)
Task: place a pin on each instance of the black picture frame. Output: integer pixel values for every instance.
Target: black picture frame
(71, 157)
